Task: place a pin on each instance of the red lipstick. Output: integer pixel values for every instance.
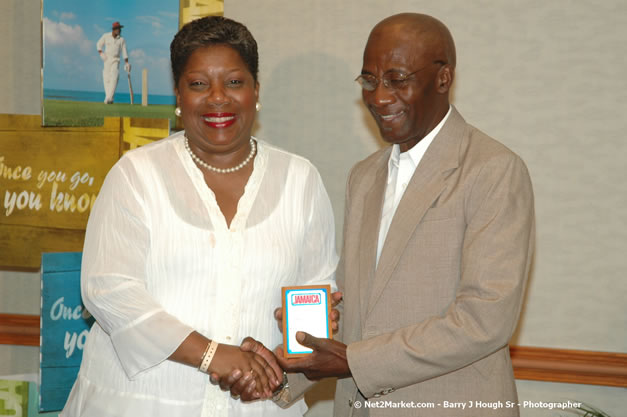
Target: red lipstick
(219, 120)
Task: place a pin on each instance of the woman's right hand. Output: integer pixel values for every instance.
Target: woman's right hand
(249, 368)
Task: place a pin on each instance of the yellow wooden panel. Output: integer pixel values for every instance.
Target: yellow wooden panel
(139, 131)
(194, 9)
(21, 246)
(49, 177)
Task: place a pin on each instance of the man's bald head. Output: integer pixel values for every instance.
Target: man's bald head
(407, 72)
(433, 36)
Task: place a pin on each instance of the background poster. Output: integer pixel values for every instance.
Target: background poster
(13, 398)
(65, 324)
(73, 90)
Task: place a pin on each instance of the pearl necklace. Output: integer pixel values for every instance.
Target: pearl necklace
(253, 149)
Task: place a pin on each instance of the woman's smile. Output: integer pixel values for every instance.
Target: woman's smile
(219, 120)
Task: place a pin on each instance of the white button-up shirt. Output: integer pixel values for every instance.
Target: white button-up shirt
(159, 262)
(402, 165)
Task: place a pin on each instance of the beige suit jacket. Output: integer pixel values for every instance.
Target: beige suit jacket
(431, 324)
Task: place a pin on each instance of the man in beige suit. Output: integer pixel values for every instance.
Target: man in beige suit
(438, 240)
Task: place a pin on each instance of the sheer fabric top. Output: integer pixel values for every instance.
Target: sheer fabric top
(160, 262)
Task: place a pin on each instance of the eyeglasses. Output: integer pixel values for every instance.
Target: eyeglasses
(393, 80)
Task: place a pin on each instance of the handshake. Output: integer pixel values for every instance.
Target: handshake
(253, 372)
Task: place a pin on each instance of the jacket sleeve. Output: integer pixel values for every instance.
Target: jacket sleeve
(114, 280)
(496, 256)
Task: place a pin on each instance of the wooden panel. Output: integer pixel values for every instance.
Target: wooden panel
(13, 398)
(193, 9)
(54, 391)
(19, 329)
(21, 246)
(20, 398)
(65, 324)
(61, 262)
(50, 177)
(570, 366)
(137, 131)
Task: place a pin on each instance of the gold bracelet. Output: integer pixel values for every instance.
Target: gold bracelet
(208, 356)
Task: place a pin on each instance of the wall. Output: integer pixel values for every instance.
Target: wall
(20, 56)
(20, 63)
(542, 77)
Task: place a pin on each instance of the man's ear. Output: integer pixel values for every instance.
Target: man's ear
(445, 77)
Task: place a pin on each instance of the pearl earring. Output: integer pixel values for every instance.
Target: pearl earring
(178, 112)
(258, 106)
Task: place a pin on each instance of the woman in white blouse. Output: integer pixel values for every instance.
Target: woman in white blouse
(188, 244)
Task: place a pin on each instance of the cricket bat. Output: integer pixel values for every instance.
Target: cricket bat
(130, 87)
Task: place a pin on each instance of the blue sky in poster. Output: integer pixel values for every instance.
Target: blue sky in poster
(72, 28)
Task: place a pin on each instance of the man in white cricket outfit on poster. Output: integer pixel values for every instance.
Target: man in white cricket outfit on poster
(109, 47)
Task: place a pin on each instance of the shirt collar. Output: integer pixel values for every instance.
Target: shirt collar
(415, 154)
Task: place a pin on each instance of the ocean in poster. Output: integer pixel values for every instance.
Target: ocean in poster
(98, 97)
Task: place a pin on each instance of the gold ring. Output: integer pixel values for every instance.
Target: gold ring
(252, 372)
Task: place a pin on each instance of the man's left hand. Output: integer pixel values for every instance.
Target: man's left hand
(127, 67)
(334, 316)
(328, 358)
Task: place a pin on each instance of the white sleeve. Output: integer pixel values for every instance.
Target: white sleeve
(114, 280)
(100, 43)
(318, 259)
(124, 52)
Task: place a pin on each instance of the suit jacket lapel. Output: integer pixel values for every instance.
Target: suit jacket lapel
(373, 204)
(427, 183)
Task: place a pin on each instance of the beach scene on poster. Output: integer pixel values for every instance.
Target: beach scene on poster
(305, 309)
(107, 59)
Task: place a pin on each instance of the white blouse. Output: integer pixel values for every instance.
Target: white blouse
(160, 262)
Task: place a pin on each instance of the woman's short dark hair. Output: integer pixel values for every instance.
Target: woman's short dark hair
(213, 30)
